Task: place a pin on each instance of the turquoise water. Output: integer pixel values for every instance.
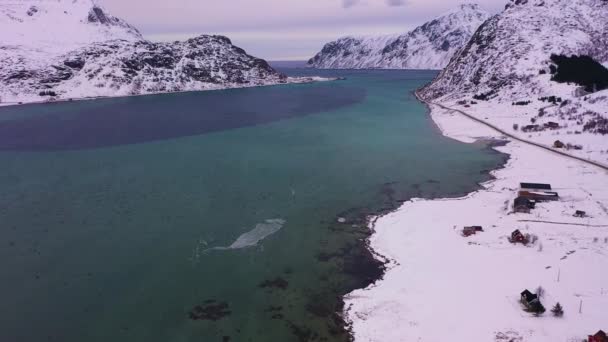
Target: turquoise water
(106, 218)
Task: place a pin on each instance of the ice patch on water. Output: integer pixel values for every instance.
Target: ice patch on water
(257, 234)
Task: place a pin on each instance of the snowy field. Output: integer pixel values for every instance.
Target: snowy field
(442, 286)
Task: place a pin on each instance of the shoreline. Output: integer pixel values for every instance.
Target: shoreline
(291, 80)
(371, 257)
(414, 298)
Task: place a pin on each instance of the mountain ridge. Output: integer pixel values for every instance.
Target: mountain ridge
(429, 46)
(94, 54)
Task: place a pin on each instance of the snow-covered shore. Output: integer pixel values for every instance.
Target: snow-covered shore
(442, 286)
(288, 80)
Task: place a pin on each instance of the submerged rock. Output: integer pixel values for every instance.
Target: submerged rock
(211, 310)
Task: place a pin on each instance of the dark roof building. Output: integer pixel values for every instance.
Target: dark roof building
(523, 205)
(535, 186)
(468, 231)
(528, 296)
(532, 302)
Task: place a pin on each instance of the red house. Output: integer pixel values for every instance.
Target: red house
(600, 336)
(518, 237)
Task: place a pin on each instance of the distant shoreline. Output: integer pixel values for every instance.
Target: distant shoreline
(290, 80)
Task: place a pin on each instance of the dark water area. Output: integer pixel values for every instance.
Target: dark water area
(238, 215)
(121, 121)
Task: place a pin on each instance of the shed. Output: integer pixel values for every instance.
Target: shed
(600, 336)
(580, 213)
(472, 230)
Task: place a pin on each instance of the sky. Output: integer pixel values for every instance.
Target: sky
(280, 29)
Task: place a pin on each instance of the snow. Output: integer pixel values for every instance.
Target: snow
(441, 285)
(429, 46)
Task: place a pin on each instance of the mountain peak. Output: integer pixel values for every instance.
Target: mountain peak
(429, 46)
(470, 7)
(466, 10)
(28, 23)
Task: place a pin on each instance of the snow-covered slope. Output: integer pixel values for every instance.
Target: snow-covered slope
(506, 74)
(60, 49)
(429, 46)
(509, 56)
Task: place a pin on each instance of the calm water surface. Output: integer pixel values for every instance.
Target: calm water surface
(108, 208)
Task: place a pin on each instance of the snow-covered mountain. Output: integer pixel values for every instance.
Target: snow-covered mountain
(430, 46)
(60, 49)
(536, 70)
(509, 57)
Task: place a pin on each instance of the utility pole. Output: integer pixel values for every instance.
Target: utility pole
(559, 272)
(580, 307)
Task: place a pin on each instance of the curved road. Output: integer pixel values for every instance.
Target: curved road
(591, 162)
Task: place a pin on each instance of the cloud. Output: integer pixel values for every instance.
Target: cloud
(392, 3)
(395, 3)
(349, 3)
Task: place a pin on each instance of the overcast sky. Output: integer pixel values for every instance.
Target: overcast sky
(280, 29)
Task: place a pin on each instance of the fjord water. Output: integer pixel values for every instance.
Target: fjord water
(111, 210)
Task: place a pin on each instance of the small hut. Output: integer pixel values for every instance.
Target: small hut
(580, 213)
(472, 230)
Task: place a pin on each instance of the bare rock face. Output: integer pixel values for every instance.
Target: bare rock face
(93, 53)
(430, 46)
